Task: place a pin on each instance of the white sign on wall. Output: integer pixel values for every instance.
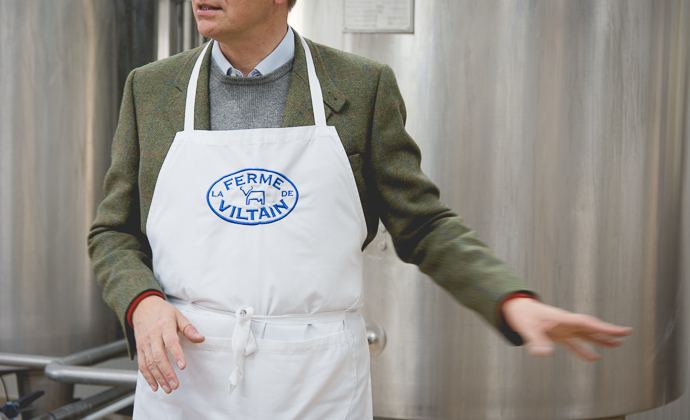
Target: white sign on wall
(379, 16)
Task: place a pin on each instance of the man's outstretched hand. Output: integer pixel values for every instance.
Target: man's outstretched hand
(156, 324)
(541, 325)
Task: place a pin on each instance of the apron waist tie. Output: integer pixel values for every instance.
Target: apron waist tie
(243, 340)
(243, 344)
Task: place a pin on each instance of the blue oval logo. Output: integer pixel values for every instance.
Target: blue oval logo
(252, 197)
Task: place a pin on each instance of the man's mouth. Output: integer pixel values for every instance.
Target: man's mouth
(208, 8)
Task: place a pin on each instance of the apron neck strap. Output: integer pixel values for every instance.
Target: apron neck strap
(191, 91)
(314, 88)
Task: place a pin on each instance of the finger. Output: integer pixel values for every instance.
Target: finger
(143, 368)
(582, 351)
(538, 344)
(152, 368)
(193, 335)
(619, 331)
(187, 329)
(156, 361)
(592, 325)
(172, 344)
(602, 340)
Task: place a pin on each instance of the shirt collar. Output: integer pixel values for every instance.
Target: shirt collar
(284, 52)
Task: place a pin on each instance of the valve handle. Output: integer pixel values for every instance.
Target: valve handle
(376, 337)
(12, 408)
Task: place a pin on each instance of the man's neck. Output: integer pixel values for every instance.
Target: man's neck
(247, 51)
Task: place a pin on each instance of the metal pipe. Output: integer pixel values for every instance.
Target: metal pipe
(88, 405)
(163, 28)
(96, 354)
(72, 368)
(112, 408)
(25, 360)
(91, 375)
(68, 369)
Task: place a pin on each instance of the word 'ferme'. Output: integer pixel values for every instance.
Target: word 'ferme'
(252, 197)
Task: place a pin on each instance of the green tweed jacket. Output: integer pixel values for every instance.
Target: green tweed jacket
(363, 102)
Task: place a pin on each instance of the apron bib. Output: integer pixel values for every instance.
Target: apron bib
(256, 238)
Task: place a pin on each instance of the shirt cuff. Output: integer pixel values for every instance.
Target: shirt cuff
(506, 329)
(138, 299)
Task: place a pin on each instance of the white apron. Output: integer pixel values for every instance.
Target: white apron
(256, 238)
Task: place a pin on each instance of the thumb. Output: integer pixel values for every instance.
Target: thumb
(188, 330)
(537, 343)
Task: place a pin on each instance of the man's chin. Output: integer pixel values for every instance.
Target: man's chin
(208, 28)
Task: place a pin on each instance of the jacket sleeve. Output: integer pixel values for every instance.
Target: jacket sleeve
(424, 230)
(119, 250)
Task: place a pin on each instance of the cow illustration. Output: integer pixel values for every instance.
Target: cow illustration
(259, 196)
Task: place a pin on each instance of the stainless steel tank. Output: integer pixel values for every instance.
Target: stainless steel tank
(61, 74)
(557, 129)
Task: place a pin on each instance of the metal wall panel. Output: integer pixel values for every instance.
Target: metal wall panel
(557, 130)
(58, 110)
(58, 107)
(680, 409)
(63, 67)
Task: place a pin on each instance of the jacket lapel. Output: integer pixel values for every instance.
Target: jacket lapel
(298, 106)
(176, 102)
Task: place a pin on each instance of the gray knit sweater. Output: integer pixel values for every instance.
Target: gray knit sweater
(251, 102)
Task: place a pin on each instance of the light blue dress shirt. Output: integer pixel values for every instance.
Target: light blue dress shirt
(284, 52)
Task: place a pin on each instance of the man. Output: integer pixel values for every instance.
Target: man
(245, 238)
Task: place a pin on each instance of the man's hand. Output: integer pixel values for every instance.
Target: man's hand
(541, 325)
(156, 324)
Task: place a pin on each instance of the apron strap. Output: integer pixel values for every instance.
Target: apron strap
(191, 91)
(243, 344)
(314, 88)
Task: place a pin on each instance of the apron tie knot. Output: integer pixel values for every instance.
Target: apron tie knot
(243, 344)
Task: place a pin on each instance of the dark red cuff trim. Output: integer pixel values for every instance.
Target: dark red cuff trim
(509, 333)
(139, 298)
